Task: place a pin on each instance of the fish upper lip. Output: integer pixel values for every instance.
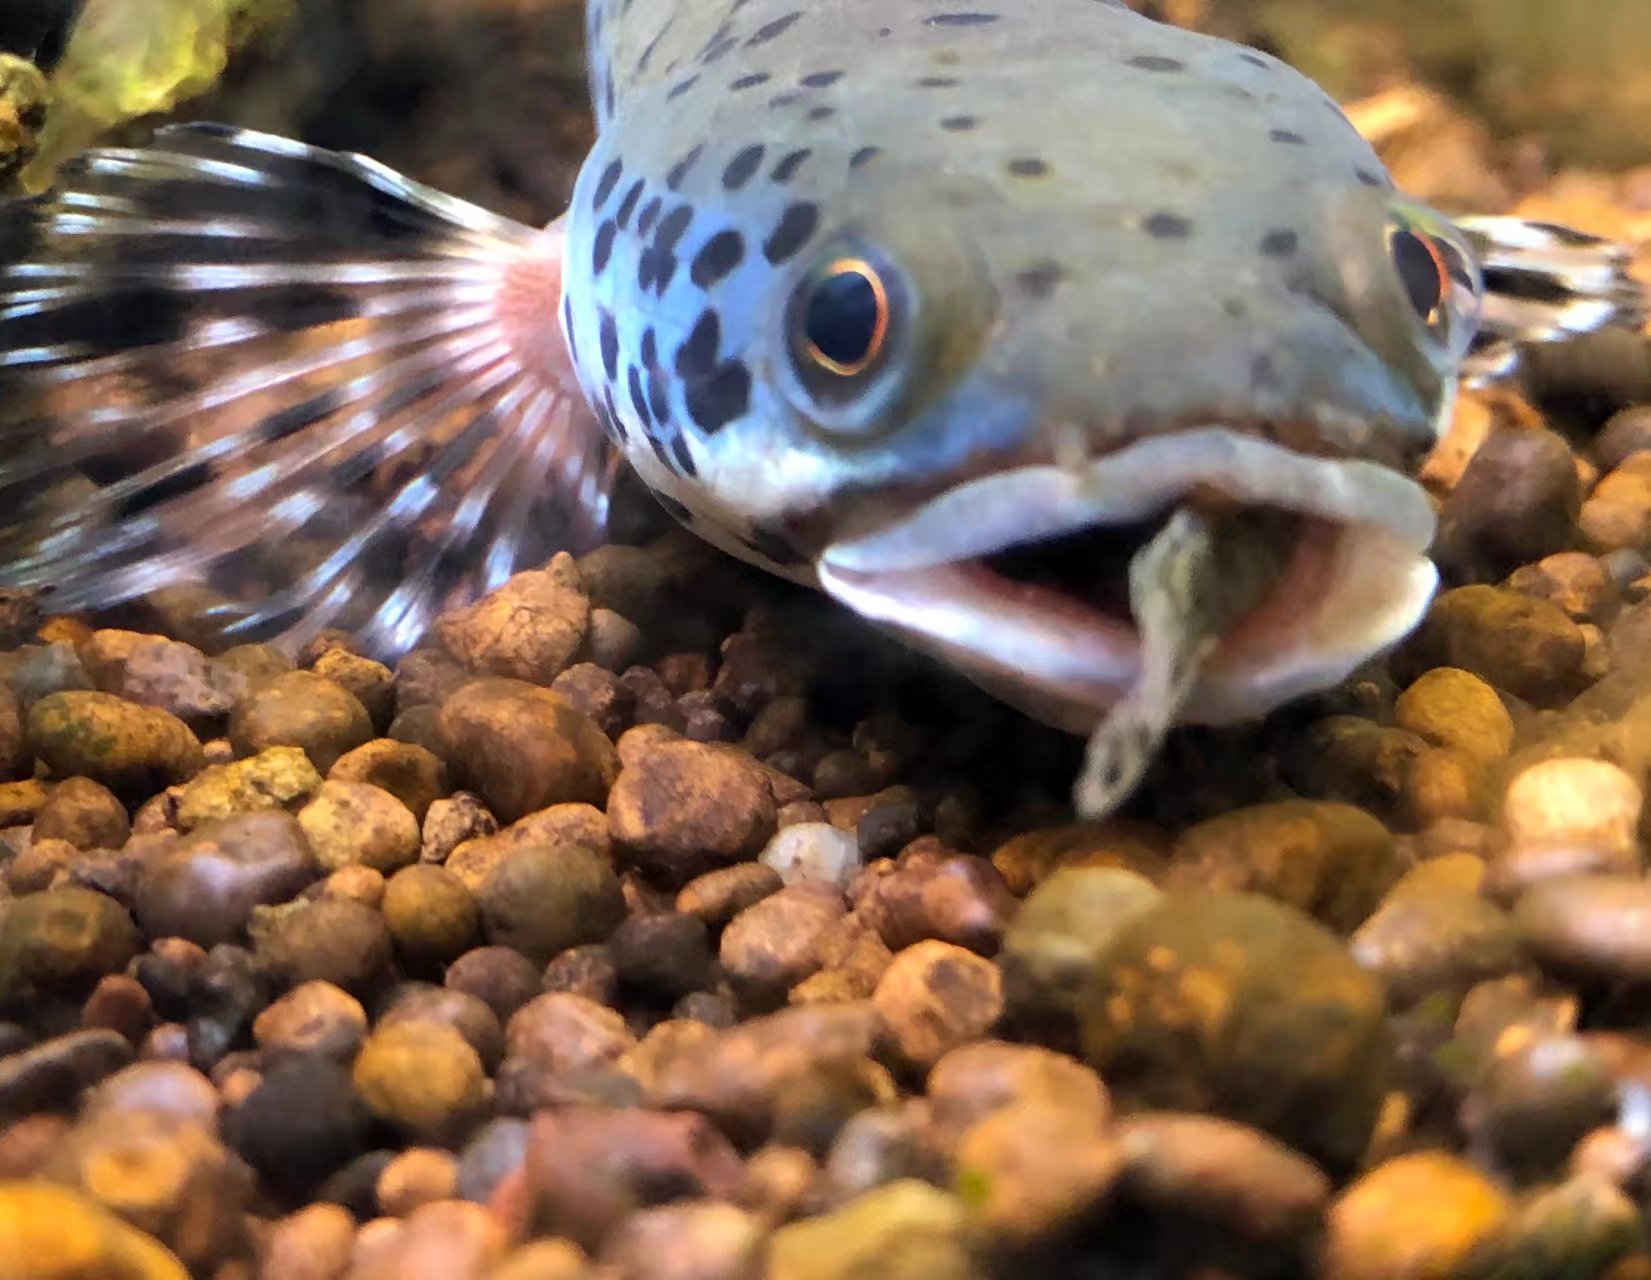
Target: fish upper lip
(1032, 503)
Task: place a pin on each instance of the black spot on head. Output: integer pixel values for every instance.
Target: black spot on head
(1289, 136)
(864, 156)
(789, 163)
(628, 204)
(697, 356)
(609, 335)
(743, 167)
(650, 211)
(959, 124)
(718, 256)
(720, 397)
(784, 100)
(606, 183)
(772, 30)
(678, 171)
(684, 458)
(639, 398)
(1235, 308)
(659, 396)
(937, 82)
(602, 247)
(821, 113)
(1256, 60)
(960, 19)
(1369, 178)
(751, 81)
(796, 225)
(821, 79)
(650, 348)
(1155, 62)
(681, 87)
(1167, 226)
(1028, 167)
(1280, 243)
(1041, 278)
(672, 226)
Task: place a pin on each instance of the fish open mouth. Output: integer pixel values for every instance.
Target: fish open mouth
(1021, 577)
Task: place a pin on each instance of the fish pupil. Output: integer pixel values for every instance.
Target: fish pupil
(1419, 270)
(844, 319)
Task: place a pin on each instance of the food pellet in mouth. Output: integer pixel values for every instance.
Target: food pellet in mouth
(1187, 587)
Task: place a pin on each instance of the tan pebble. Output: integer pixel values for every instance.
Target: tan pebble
(1031, 1170)
(358, 824)
(314, 1243)
(545, 1260)
(1415, 1217)
(1454, 708)
(1573, 799)
(422, 1077)
(314, 1017)
(416, 1177)
(52, 1233)
(934, 997)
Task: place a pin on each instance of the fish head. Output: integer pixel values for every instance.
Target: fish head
(1006, 352)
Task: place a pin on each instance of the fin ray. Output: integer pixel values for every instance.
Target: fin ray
(289, 375)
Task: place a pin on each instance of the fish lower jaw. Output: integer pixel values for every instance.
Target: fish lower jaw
(1355, 580)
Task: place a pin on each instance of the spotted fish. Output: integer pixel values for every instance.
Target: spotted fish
(995, 323)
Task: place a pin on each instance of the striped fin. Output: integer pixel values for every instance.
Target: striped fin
(333, 397)
(1545, 283)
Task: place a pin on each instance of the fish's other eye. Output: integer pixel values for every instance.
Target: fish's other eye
(1439, 279)
(840, 328)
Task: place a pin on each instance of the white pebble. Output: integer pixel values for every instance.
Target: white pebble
(1588, 801)
(813, 851)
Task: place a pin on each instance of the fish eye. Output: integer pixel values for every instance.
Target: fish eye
(841, 325)
(1438, 277)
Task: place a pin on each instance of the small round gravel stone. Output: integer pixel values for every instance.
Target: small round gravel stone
(315, 1018)
(1239, 1006)
(357, 824)
(430, 914)
(538, 901)
(328, 940)
(63, 938)
(420, 1077)
(302, 1122)
(303, 710)
(85, 814)
(934, 997)
(501, 978)
(413, 775)
(683, 808)
(1454, 708)
(1415, 1217)
(521, 748)
(1586, 801)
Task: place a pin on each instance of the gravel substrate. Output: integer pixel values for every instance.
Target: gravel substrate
(654, 921)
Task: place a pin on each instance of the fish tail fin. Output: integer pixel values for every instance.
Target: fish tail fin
(329, 396)
(1545, 283)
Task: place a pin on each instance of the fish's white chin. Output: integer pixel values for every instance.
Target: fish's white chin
(1017, 578)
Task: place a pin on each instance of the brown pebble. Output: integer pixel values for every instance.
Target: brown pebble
(955, 898)
(328, 940)
(414, 776)
(465, 1013)
(451, 821)
(774, 944)
(119, 1003)
(684, 807)
(313, 1243)
(304, 710)
(83, 813)
(718, 896)
(206, 886)
(503, 979)
(596, 692)
(131, 749)
(589, 1170)
(420, 1077)
(540, 901)
(559, 1032)
(934, 997)
(1027, 860)
(1525, 647)
(523, 749)
(976, 1079)
(698, 1240)
(528, 629)
(356, 824)
(416, 1177)
(372, 683)
(431, 916)
(1033, 1170)
(312, 1018)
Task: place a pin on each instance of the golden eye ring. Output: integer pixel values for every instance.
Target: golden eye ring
(844, 323)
